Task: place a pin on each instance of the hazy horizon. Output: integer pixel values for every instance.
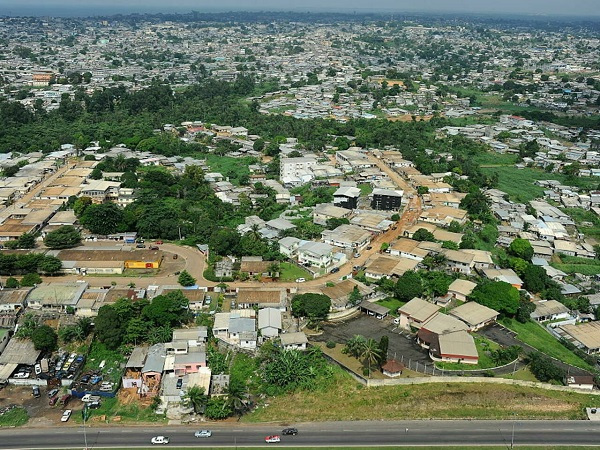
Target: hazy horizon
(584, 8)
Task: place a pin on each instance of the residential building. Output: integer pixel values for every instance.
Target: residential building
(550, 310)
(269, 322)
(386, 199)
(346, 197)
(476, 316)
(416, 312)
(315, 254)
(349, 237)
(294, 341)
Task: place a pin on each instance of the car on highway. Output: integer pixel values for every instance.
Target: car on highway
(272, 439)
(300, 280)
(335, 270)
(290, 431)
(203, 434)
(66, 415)
(159, 440)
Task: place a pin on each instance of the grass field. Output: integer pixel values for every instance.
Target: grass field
(493, 159)
(518, 183)
(581, 216)
(484, 346)
(14, 418)
(289, 272)
(347, 400)
(573, 264)
(523, 374)
(392, 303)
(234, 168)
(533, 334)
(365, 189)
(112, 408)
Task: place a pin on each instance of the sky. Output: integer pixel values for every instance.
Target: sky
(91, 7)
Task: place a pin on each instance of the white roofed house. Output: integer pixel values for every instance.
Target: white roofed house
(288, 246)
(416, 312)
(507, 275)
(325, 211)
(461, 289)
(269, 322)
(346, 197)
(315, 253)
(549, 310)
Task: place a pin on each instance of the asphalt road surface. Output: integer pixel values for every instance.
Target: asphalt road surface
(331, 434)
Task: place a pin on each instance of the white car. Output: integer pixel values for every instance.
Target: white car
(300, 280)
(203, 434)
(397, 321)
(272, 439)
(21, 375)
(66, 415)
(159, 440)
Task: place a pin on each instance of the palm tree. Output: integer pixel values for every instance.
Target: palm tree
(354, 346)
(371, 352)
(195, 398)
(238, 397)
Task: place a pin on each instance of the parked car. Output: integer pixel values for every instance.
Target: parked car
(159, 440)
(335, 270)
(369, 247)
(290, 431)
(52, 392)
(85, 378)
(397, 321)
(154, 247)
(66, 415)
(141, 246)
(179, 384)
(65, 399)
(53, 400)
(203, 434)
(158, 242)
(272, 439)
(37, 368)
(21, 375)
(300, 280)
(36, 391)
(95, 379)
(94, 405)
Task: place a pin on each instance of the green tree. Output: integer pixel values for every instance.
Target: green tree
(544, 369)
(498, 295)
(384, 344)
(103, 218)
(408, 286)
(44, 338)
(354, 346)
(423, 235)
(81, 205)
(136, 330)
(64, 237)
(31, 279)
(196, 398)
(50, 265)
(217, 408)
(169, 309)
(371, 352)
(476, 203)
(355, 296)
(534, 278)
(313, 306)
(185, 279)
(11, 283)
(109, 329)
(521, 248)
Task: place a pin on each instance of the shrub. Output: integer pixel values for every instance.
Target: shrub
(330, 344)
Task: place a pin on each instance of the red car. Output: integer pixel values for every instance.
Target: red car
(158, 242)
(53, 400)
(272, 439)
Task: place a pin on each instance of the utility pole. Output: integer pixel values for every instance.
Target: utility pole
(84, 430)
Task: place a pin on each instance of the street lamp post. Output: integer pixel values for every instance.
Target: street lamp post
(84, 430)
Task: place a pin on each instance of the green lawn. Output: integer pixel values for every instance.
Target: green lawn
(495, 159)
(14, 418)
(365, 189)
(518, 183)
(573, 264)
(234, 168)
(523, 374)
(533, 334)
(392, 303)
(289, 272)
(484, 347)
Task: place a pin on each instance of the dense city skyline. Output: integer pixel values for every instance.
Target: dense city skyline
(77, 7)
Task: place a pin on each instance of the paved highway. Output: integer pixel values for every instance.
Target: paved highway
(409, 433)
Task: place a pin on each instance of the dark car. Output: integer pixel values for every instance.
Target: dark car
(179, 383)
(85, 378)
(290, 431)
(141, 246)
(335, 270)
(36, 392)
